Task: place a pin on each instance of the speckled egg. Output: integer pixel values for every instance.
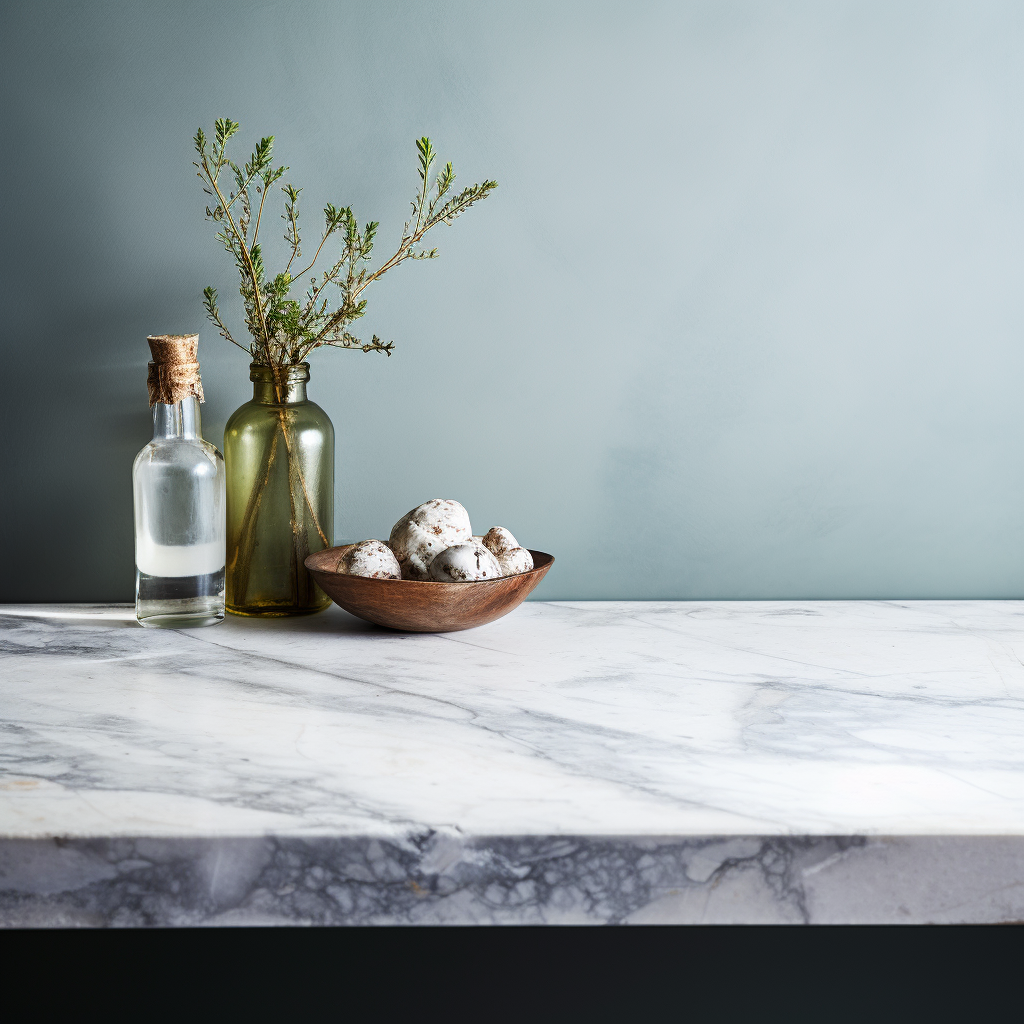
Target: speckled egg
(422, 534)
(371, 558)
(515, 561)
(512, 558)
(498, 540)
(464, 563)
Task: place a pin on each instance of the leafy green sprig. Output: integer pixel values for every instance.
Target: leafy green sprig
(285, 331)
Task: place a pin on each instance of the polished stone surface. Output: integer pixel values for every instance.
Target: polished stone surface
(573, 762)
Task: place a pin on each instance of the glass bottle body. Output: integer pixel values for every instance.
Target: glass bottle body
(179, 489)
(279, 450)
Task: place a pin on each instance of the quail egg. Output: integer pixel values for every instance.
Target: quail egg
(425, 532)
(463, 563)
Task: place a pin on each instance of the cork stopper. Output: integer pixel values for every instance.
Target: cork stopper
(174, 372)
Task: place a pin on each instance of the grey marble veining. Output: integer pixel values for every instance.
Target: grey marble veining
(571, 763)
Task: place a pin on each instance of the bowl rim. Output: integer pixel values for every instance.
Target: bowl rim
(550, 560)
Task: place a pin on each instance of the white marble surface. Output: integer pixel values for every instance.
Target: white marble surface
(784, 761)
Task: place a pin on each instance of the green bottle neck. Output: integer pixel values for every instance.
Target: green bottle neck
(283, 386)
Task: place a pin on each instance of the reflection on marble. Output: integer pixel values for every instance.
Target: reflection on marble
(574, 762)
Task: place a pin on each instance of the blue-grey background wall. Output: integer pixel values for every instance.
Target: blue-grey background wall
(744, 318)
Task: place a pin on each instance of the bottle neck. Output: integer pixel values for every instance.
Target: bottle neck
(284, 386)
(180, 420)
(268, 393)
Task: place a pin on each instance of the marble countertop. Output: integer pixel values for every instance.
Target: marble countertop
(572, 762)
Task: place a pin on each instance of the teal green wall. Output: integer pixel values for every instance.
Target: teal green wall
(743, 320)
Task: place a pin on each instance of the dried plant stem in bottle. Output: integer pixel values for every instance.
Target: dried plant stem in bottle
(280, 495)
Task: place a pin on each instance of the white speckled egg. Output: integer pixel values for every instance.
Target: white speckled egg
(512, 558)
(515, 561)
(425, 532)
(371, 558)
(462, 563)
(498, 540)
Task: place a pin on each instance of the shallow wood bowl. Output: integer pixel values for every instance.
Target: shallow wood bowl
(424, 607)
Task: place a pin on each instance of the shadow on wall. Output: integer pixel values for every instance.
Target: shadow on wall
(72, 486)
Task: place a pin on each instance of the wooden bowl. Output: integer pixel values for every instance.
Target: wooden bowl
(419, 606)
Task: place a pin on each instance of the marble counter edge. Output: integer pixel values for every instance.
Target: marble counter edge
(441, 878)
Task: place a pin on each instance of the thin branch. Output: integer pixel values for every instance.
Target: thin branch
(302, 273)
(249, 264)
(259, 214)
(293, 225)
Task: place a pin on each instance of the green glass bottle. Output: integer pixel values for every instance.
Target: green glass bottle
(279, 453)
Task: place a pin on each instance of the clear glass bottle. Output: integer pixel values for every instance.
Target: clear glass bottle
(179, 522)
(280, 498)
